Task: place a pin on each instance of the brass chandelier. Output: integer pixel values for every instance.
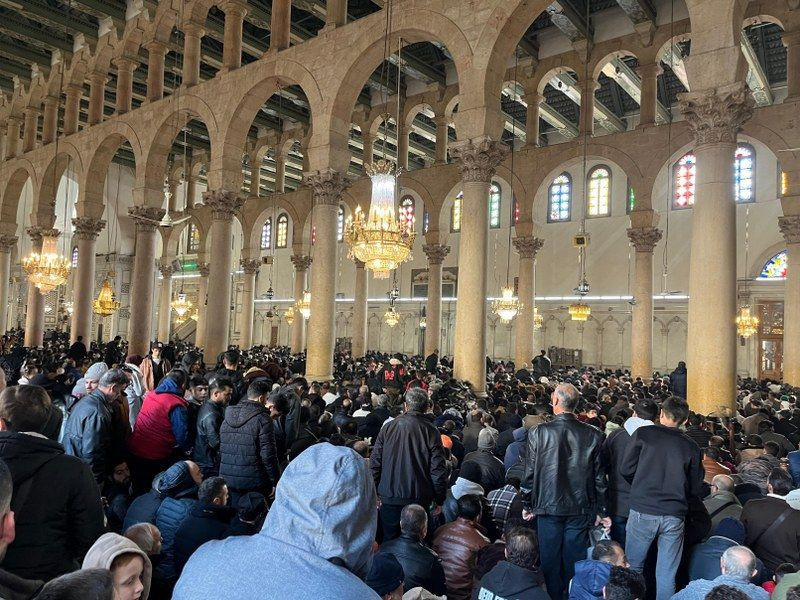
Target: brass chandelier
(46, 269)
(538, 319)
(391, 317)
(746, 322)
(105, 305)
(303, 305)
(507, 306)
(181, 305)
(289, 315)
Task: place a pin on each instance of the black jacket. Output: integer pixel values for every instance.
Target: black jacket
(665, 469)
(62, 515)
(677, 382)
(421, 565)
(371, 425)
(206, 444)
(88, 433)
(431, 364)
(493, 473)
(564, 473)
(205, 522)
(619, 488)
(510, 581)
(408, 462)
(248, 459)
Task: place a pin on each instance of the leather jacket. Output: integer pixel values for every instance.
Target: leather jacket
(564, 472)
(421, 566)
(457, 544)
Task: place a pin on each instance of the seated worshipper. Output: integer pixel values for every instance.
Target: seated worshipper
(318, 533)
(722, 503)
(250, 512)
(146, 536)
(786, 577)
(179, 481)
(493, 473)
(117, 495)
(501, 501)
(624, 584)
(386, 577)
(466, 483)
(712, 464)
(592, 575)
(704, 562)
(518, 576)
(738, 566)
(86, 584)
(128, 563)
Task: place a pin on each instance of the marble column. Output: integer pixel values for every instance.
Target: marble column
(326, 187)
(250, 266)
(477, 160)
(12, 136)
(97, 97)
(359, 344)
(34, 307)
(191, 190)
(280, 25)
(202, 295)
(301, 264)
(715, 117)
(644, 240)
(223, 204)
(31, 125)
(3, 133)
(85, 237)
(526, 246)
(235, 10)
(280, 174)
(50, 120)
(436, 254)
(193, 36)
(533, 101)
(586, 121)
(442, 141)
(402, 147)
(125, 69)
(336, 13)
(649, 94)
(7, 244)
(156, 51)
(367, 140)
(165, 303)
(72, 107)
(144, 274)
(791, 39)
(790, 228)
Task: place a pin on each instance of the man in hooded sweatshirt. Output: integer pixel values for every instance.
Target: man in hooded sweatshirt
(518, 576)
(318, 534)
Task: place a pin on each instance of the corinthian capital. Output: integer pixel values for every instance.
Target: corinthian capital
(527, 246)
(717, 115)
(35, 233)
(250, 265)
(146, 217)
(790, 228)
(7, 242)
(166, 271)
(644, 239)
(301, 262)
(436, 253)
(327, 186)
(223, 204)
(87, 228)
(477, 159)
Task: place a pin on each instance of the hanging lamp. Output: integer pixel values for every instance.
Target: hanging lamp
(289, 315)
(47, 269)
(391, 317)
(105, 305)
(303, 306)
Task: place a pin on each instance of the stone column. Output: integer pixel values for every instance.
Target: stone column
(31, 125)
(12, 136)
(791, 39)
(172, 202)
(441, 139)
(790, 228)
(327, 187)
(649, 95)
(144, 274)
(402, 147)
(34, 307)
(7, 243)
(202, 293)
(586, 124)
(223, 205)
(156, 51)
(280, 174)
(235, 10)
(193, 35)
(477, 160)
(280, 26)
(85, 237)
(50, 121)
(527, 247)
(125, 69)
(367, 140)
(191, 190)
(715, 117)
(250, 267)
(97, 97)
(532, 119)
(72, 107)
(644, 240)
(3, 128)
(337, 13)
(301, 264)
(436, 254)
(165, 303)
(359, 346)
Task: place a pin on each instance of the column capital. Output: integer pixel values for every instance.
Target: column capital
(527, 246)
(223, 203)
(147, 218)
(50, 232)
(87, 228)
(436, 253)
(98, 78)
(715, 116)
(649, 70)
(532, 99)
(790, 228)
(791, 38)
(166, 271)
(326, 186)
(250, 265)
(203, 269)
(124, 63)
(156, 47)
(441, 120)
(7, 242)
(35, 233)
(31, 111)
(301, 262)
(477, 159)
(73, 89)
(236, 7)
(14, 120)
(644, 239)
(192, 29)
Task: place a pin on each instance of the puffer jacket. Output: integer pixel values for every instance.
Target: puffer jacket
(248, 459)
(507, 580)
(591, 576)
(564, 472)
(457, 543)
(88, 433)
(180, 497)
(421, 566)
(175, 482)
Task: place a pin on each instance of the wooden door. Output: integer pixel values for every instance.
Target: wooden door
(770, 340)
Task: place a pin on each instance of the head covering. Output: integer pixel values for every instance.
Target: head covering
(732, 529)
(447, 442)
(96, 371)
(111, 545)
(487, 439)
(386, 574)
(134, 359)
(251, 506)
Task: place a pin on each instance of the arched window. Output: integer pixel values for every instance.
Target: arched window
(340, 224)
(599, 196)
(313, 234)
(684, 180)
(192, 238)
(282, 231)
(494, 206)
(559, 202)
(775, 267)
(784, 182)
(631, 203)
(426, 221)
(455, 213)
(266, 235)
(745, 173)
(75, 257)
(407, 213)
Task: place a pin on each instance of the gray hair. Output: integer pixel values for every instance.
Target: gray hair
(738, 562)
(417, 399)
(724, 483)
(413, 519)
(113, 377)
(568, 396)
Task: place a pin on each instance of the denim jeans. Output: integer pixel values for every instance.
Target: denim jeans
(562, 542)
(667, 531)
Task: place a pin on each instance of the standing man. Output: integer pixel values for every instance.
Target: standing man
(209, 420)
(564, 485)
(541, 366)
(408, 464)
(432, 362)
(154, 366)
(665, 469)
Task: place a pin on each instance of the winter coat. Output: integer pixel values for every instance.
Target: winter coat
(205, 522)
(450, 506)
(17, 588)
(109, 547)
(457, 543)
(180, 499)
(614, 446)
(154, 437)
(591, 576)
(147, 367)
(677, 382)
(794, 466)
(421, 565)
(507, 580)
(705, 557)
(721, 505)
(782, 545)
(88, 433)
(62, 515)
(698, 589)
(206, 444)
(493, 473)
(175, 482)
(248, 458)
(320, 529)
(135, 393)
(514, 448)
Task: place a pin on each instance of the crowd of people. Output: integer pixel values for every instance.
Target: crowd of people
(175, 475)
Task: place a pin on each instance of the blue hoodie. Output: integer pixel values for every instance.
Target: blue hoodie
(316, 542)
(591, 576)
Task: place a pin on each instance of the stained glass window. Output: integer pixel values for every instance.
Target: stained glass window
(775, 267)
(684, 174)
(560, 199)
(494, 206)
(266, 235)
(340, 224)
(407, 213)
(455, 213)
(745, 173)
(192, 238)
(631, 199)
(426, 221)
(282, 231)
(75, 257)
(599, 197)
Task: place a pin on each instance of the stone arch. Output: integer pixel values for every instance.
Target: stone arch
(601, 62)
(45, 201)
(517, 189)
(755, 267)
(413, 111)
(171, 238)
(762, 18)
(548, 75)
(12, 191)
(278, 204)
(407, 180)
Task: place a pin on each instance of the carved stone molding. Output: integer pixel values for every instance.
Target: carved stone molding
(716, 116)
(35, 233)
(87, 228)
(301, 262)
(327, 186)
(250, 265)
(7, 242)
(644, 239)
(146, 217)
(166, 271)
(790, 228)
(223, 204)
(436, 253)
(477, 159)
(527, 246)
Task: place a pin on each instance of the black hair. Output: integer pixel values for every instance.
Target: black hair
(605, 551)
(727, 592)
(210, 489)
(780, 481)
(522, 547)
(676, 408)
(219, 384)
(258, 388)
(86, 584)
(469, 507)
(625, 584)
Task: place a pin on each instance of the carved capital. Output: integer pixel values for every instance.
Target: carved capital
(50, 233)
(436, 253)
(527, 246)
(649, 71)
(644, 239)
(203, 269)
(790, 228)
(477, 159)
(35, 233)
(301, 262)
(146, 217)
(87, 228)
(7, 242)
(250, 265)
(327, 186)
(715, 116)
(166, 271)
(223, 204)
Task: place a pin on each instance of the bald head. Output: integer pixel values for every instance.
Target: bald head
(738, 562)
(723, 483)
(565, 398)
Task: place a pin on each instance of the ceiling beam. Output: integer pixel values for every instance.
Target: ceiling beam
(59, 19)
(628, 80)
(571, 23)
(638, 11)
(602, 114)
(19, 28)
(674, 59)
(756, 76)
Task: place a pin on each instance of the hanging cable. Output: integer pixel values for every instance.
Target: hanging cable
(670, 177)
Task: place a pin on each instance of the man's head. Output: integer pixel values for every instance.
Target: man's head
(565, 398)
(417, 400)
(469, 507)
(198, 387)
(221, 390)
(487, 439)
(7, 529)
(624, 584)
(386, 576)
(86, 584)
(722, 483)
(195, 472)
(646, 408)
(113, 383)
(738, 562)
(414, 521)
(277, 405)
(155, 350)
(24, 408)
(214, 491)
(522, 547)
(783, 570)
(674, 412)
(121, 473)
(259, 391)
(91, 378)
(146, 536)
(231, 360)
(779, 482)
(609, 551)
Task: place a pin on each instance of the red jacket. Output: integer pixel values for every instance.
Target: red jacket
(152, 437)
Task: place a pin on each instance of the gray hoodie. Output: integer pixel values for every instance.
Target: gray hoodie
(316, 542)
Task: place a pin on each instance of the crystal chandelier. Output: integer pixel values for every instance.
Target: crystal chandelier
(538, 319)
(303, 305)
(507, 306)
(579, 311)
(289, 315)
(105, 305)
(69, 307)
(46, 269)
(746, 322)
(391, 317)
(181, 305)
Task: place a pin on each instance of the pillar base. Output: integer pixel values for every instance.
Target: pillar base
(320, 378)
